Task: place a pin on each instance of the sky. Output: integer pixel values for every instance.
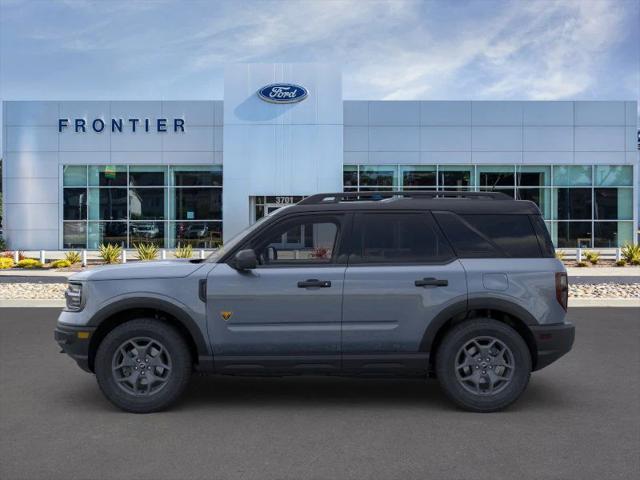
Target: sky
(395, 50)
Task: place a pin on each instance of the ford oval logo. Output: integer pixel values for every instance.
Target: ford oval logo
(283, 93)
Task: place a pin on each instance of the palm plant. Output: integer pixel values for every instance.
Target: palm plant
(73, 257)
(185, 251)
(110, 253)
(146, 251)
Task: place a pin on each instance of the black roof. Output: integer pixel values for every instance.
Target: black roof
(458, 202)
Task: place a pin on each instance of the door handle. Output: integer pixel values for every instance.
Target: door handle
(431, 282)
(314, 282)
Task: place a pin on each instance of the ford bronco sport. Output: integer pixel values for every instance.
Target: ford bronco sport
(462, 286)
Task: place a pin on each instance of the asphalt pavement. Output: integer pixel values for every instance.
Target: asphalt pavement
(579, 418)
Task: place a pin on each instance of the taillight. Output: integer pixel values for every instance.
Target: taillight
(562, 289)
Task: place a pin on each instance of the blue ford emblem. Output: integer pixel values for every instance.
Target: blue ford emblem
(283, 93)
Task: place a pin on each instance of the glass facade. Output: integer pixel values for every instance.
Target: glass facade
(586, 206)
(132, 204)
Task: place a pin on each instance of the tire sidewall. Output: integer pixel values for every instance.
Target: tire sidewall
(459, 336)
(179, 375)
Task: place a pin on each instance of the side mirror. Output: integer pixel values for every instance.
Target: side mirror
(245, 260)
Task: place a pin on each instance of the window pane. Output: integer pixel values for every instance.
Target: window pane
(145, 176)
(197, 203)
(614, 203)
(496, 176)
(533, 176)
(383, 176)
(350, 176)
(615, 175)
(398, 238)
(146, 203)
(572, 175)
(146, 232)
(75, 204)
(574, 234)
(197, 176)
(465, 241)
(107, 232)
(539, 196)
(513, 234)
(300, 241)
(74, 235)
(418, 176)
(510, 192)
(107, 204)
(454, 176)
(108, 176)
(196, 234)
(74, 176)
(573, 203)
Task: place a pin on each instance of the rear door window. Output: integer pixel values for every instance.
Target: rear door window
(380, 238)
(490, 235)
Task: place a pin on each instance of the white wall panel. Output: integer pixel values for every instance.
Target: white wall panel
(496, 157)
(23, 216)
(496, 139)
(445, 139)
(394, 113)
(32, 239)
(138, 141)
(356, 139)
(544, 139)
(31, 139)
(129, 157)
(496, 113)
(31, 190)
(186, 158)
(631, 139)
(136, 109)
(600, 113)
(193, 112)
(381, 158)
(30, 165)
(558, 158)
(356, 112)
(444, 113)
(192, 139)
(355, 158)
(547, 113)
(600, 139)
(394, 139)
(581, 158)
(631, 114)
(445, 157)
(30, 113)
(86, 110)
(80, 158)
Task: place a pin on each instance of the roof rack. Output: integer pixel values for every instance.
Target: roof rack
(386, 194)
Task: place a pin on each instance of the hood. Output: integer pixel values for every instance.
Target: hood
(139, 270)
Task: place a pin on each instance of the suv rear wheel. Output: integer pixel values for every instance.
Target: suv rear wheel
(143, 365)
(483, 365)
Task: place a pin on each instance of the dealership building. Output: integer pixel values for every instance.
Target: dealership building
(80, 173)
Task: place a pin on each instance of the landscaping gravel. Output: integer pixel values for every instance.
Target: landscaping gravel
(38, 289)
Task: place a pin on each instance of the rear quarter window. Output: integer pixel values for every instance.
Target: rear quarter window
(490, 235)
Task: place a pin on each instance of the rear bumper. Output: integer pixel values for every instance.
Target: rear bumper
(74, 341)
(552, 342)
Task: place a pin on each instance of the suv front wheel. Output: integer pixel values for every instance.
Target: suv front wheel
(483, 365)
(143, 365)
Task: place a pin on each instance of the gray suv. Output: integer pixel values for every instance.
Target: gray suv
(461, 286)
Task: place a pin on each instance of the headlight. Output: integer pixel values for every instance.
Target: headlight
(73, 296)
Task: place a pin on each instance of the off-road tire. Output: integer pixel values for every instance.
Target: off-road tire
(176, 380)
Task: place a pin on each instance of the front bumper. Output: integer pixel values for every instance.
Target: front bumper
(552, 342)
(75, 341)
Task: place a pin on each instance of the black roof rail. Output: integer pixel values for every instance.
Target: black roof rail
(320, 198)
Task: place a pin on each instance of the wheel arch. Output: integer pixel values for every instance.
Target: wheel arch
(121, 311)
(501, 310)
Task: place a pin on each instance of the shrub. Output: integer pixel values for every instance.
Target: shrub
(6, 263)
(592, 256)
(560, 255)
(110, 253)
(147, 251)
(631, 253)
(3, 244)
(73, 257)
(583, 264)
(29, 263)
(61, 264)
(621, 263)
(185, 251)
(9, 254)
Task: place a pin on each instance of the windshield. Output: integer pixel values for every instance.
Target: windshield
(236, 239)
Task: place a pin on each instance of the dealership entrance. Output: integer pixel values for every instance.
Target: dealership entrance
(263, 205)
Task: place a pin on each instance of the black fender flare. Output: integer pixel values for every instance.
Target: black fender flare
(155, 303)
(463, 307)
